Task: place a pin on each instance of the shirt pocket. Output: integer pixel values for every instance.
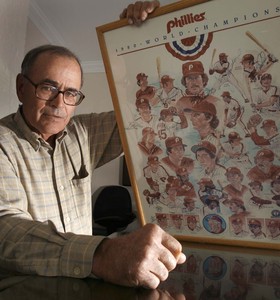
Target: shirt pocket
(81, 193)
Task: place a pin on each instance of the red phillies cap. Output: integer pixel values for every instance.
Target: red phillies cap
(204, 145)
(194, 67)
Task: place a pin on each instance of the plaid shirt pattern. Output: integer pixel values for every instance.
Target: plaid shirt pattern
(45, 194)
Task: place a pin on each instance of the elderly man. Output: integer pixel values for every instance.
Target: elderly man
(47, 160)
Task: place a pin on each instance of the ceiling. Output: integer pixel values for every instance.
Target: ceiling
(72, 23)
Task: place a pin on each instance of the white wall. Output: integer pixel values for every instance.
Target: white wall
(13, 21)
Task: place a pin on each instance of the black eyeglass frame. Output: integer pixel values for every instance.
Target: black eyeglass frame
(82, 96)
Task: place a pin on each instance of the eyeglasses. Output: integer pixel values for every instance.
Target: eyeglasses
(48, 92)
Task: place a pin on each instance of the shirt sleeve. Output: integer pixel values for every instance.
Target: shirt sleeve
(102, 134)
(31, 247)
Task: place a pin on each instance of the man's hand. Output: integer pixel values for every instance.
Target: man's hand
(138, 12)
(141, 258)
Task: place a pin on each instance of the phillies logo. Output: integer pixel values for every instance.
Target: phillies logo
(189, 48)
(185, 20)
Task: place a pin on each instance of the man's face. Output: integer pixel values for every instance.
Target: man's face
(255, 229)
(48, 118)
(144, 82)
(191, 225)
(227, 99)
(177, 152)
(266, 83)
(198, 119)
(264, 165)
(247, 64)
(215, 226)
(204, 158)
(223, 59)
(168, 86)
(237, 227)
(154, 166)
(234, 178)
(194, 84)
(268, 129)
(144, 111)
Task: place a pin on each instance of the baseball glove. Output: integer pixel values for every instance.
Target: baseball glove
(254, 121)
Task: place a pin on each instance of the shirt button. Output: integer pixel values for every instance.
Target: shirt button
(77, 270)
(67, 219)
(61, 187)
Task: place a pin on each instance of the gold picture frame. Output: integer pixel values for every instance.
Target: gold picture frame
(198, 125)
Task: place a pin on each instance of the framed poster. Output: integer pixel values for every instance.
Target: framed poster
(196, 93)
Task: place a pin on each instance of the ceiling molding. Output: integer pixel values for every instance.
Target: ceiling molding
(41, 21)
(37, 16)
(93, 66)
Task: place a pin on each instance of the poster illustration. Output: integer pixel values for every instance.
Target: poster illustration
(196, 92)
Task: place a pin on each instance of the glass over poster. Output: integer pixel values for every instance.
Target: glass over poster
(196, 93)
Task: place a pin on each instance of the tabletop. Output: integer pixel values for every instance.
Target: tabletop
(210, 272)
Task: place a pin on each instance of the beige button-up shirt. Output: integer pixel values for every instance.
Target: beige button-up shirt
(45, 194)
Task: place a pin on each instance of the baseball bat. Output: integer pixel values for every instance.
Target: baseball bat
(213, 55)
(255, 40)
(158, 67)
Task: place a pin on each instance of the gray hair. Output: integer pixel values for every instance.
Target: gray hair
(33, 54)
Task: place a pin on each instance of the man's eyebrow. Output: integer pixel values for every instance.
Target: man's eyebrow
(49, 81)
(55, 83)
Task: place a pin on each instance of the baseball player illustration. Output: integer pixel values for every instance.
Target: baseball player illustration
(186, 188)
(214, 223)
(205, 121)
(147, 144)
(193, 223)
(233, 113)
(210, 196)
(206, 156)
(176, 156)
(155, 174)
(162, 220)
(152, 197)
(271, 139)
(253, 69)
(275, 190)
(177, 222)
(266, 98)
(236, 206)
(170, 121)
(264, 170)
(237, 226)
(234, 152)
(168, 94)
(223, 69)
(273, 229)
(189, 205)
(256, 228)
(170, 197)
(256, 188)
(145, 91)
(195, 80)
(145, 117)
(235, 188)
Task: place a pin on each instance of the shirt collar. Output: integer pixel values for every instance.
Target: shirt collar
(32, 137)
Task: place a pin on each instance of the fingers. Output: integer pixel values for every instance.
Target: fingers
(174, 247)
(138, 12)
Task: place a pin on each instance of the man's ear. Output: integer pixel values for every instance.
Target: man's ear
(20, 86)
